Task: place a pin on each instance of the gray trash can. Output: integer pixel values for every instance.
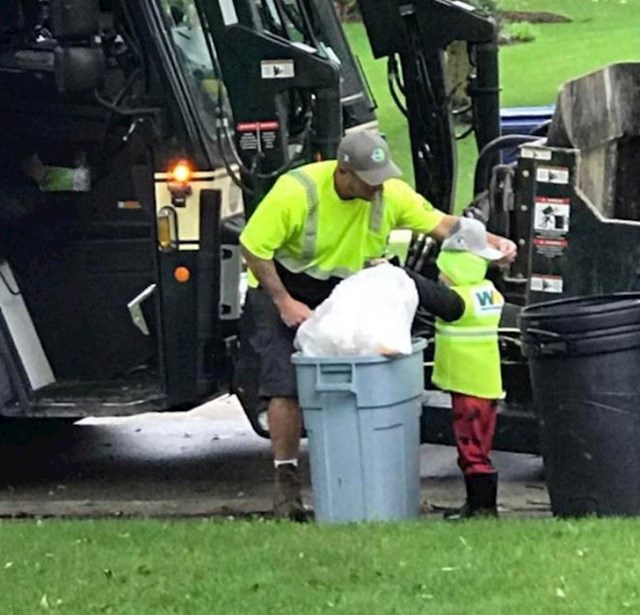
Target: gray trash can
(362, 417)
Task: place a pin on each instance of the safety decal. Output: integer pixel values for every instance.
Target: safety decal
(551, 216)
(553, 175)
(277, 69)
(550, 247)
(547, 283)
(259, 136)
(535, 153)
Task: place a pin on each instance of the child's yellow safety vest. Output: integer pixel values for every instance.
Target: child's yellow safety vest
(467, 356)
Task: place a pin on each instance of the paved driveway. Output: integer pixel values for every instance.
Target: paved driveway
(206, 461)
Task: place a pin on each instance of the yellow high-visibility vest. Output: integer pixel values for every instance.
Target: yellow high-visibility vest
(467, 356)
(304, 225)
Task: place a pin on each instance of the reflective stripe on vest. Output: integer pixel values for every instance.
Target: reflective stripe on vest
(310, 232)
(295, 265)
(467, 356)
(468, 332)
(377, 213)
(311, 224)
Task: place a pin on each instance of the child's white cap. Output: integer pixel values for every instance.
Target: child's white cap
(469, 235)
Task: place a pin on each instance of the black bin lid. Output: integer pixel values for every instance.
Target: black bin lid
(583, 314)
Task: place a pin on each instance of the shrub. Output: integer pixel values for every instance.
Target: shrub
(488, 6)
(518, 32)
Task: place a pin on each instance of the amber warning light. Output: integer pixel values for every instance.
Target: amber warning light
(179, 177)
(181, 172)
(182, 274)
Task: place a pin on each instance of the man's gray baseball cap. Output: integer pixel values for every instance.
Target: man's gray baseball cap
(469, 235)
(367, 154)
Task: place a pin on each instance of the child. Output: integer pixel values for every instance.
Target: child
(467, 362)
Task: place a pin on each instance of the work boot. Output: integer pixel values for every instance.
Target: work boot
(481, 498)
(287, 501)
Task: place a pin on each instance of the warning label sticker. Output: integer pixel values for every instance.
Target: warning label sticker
(277, 69)
(551, 216)
(553, 175)
(547, 283)
(535, 153)
(257, 136)
(549, 247)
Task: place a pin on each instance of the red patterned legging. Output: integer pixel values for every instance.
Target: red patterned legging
(474, 423)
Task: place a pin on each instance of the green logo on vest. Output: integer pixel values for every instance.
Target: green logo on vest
(378, 155)
(487, 300)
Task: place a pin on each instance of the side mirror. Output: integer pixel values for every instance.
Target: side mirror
(78, 70)
(74, 19)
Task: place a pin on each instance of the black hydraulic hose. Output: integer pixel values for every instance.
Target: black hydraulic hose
(234, 178)
(462, 111)
(271, 23)
(282, 14)
(393, 63)
(131, 112)
(442, 139)
(299, 122)
(483, 167)
(304, 15)
(465, 133)
(392, 80)
(116, 102)
(541, 129)
(423, 82)
(128, 39)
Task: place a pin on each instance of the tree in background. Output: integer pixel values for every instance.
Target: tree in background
(458, 65)
(347, 10)
(488, 6)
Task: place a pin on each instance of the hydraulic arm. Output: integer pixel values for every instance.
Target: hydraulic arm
(414, 37)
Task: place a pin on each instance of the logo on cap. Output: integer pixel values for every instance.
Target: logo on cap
(378, 155)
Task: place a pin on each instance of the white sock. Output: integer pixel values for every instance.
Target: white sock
(281, 462)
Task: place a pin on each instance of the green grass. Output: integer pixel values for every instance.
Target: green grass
(194, 567)
(601, 32)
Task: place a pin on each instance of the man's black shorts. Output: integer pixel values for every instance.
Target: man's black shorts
(272, 341)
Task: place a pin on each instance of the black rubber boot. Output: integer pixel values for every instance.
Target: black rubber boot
(482, 490)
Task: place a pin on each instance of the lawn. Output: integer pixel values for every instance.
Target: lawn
(601, 32)
(216, 567)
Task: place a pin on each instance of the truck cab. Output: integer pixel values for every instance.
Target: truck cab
(135, 134)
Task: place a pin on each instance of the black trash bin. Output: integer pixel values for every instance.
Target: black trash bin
(584, 361)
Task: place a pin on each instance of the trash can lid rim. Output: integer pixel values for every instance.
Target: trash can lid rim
(592, 304)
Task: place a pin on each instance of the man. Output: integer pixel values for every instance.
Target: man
(318, 225)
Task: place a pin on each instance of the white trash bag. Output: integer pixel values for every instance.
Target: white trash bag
(369, 313)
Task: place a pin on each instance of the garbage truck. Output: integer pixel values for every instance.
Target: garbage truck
(135, 135)
(139, 135)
